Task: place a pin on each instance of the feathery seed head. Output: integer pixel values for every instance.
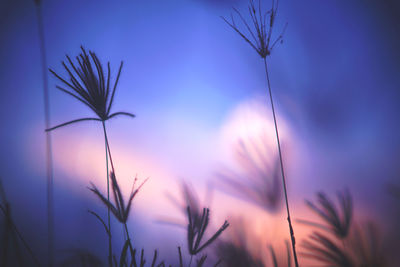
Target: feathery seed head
(119, 209)
(88, 83)
(259, 35)
(325, 250)
(196, 230)
(339, 221)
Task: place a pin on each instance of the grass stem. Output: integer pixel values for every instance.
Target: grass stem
(128, 238)
(108, 197)
(292, 237)
(49, 156)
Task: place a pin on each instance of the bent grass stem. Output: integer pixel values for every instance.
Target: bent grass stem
(108, 197)
(49, 156)
(292, 238)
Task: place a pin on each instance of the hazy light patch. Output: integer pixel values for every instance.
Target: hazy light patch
(251, 122)
(252, 119)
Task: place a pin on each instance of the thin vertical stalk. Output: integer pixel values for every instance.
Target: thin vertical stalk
(49, 156)
(108, 197)
(292, 237)
(128, 238)
(108, 191)
(108, 147)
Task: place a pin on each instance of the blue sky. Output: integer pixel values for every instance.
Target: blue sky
(186, 73)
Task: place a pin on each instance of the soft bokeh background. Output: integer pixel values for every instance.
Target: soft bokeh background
(196, 89)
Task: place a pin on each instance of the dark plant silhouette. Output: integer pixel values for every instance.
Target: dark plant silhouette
(196, 231)
(87, 83)
(260, 39)
(339, 221)
(49, 150)
(11, 235)
(259, 179)
(119, 209)
(123, 260)
(198, 219)
(140, 262)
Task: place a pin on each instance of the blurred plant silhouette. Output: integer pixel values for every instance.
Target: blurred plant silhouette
(258, 180)
(326, 251)
(338, 221)
(367, 245)
(350, 244)
(242, 248)
(189, 198)
(49, 147)
(236, 250)
(11, 238)
(275, 261)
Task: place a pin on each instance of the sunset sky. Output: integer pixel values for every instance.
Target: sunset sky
(196, 89)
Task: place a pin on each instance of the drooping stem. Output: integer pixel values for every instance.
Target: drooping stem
(108, 147)
(292, 237)
(108, 197)
(49, 156)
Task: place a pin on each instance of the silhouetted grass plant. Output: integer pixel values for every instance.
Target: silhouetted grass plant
(323, 249)
(88, 83)
(338, 220)
(347, 243)
(258, 181)
(195, 234)
(260, 38)
(119, 209)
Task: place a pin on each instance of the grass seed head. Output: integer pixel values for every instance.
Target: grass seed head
(339, 221)
(88, 83)
(118, 208)
(260, 30)
(195, 232)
